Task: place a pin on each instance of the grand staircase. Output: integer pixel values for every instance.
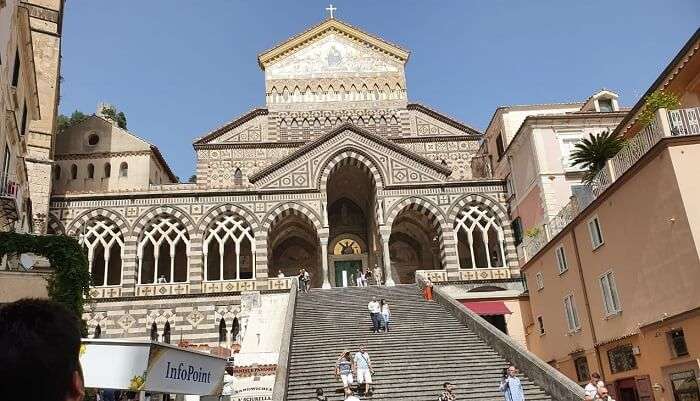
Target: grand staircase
(425, 347)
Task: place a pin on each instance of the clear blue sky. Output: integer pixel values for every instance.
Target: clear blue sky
(181, 68)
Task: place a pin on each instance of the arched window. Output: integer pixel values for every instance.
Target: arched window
(91, 171)
(479, 238)
(163, 251)
(166, 333)
(57, 172)
(104, 242)
(98, 331)
(123, 170)
(235, 329)
(228, 249)
(154, 332)
(73, 172)
(222, 331)
(108, 170)
(238, 177)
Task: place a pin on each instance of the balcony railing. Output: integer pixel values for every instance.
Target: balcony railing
(667, 123)
(10, 198)
(9, 187)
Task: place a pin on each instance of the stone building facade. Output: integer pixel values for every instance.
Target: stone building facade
(339, 172)
(46, 22)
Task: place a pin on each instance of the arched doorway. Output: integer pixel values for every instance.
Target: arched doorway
(414, 244)
(353, 231)
(294, 244)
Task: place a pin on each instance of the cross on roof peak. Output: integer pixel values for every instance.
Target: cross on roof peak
(330, 10)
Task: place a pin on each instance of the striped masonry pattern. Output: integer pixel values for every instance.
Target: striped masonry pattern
(352, 158)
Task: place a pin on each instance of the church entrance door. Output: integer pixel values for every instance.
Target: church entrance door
(346, 272)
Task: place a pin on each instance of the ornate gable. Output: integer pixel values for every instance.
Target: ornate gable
(333, 55)
(333, 26)
(308, 166)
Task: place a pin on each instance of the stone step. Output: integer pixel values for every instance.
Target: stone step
(425, 347)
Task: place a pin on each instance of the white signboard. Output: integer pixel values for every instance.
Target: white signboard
(154, 367)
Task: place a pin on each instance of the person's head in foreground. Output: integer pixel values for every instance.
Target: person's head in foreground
(603, 393)
(595, 377)
(449, 387)
(512, 371)
(39, 353)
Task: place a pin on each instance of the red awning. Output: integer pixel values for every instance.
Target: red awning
(487, 308)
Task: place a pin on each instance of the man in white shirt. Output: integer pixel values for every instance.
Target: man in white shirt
(363, 369)
(593, 385)
(280, 274)
(375, 311)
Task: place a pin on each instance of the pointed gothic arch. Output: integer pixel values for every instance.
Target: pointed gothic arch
(480, 237)
(104, 242)
(229, 248)
(163, 250)
(222, 330)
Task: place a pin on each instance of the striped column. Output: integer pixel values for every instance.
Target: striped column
(196, 266)
(448, 252)
(261, 267)
(130, 265)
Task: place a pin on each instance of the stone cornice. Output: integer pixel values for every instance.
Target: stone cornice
(101, 155)
(296, 144)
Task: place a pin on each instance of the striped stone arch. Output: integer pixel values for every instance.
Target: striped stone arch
(350, 156)
(54, 226)
(477, 198)
(448, 247)
(166, 209)
(511, 257)
(80, 221)
(420, 204)
(218, 210)
(291, 208)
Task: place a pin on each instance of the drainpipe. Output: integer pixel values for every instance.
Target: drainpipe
(594, 337)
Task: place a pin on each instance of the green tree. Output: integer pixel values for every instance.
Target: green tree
(655, 101)
(65, 121)
(192, 179)
(592, 152)
(117, 116)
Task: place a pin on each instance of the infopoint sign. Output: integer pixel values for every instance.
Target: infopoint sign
(150, 366)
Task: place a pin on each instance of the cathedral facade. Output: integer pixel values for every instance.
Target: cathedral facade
(338, 172)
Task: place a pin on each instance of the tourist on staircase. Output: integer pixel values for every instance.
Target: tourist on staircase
(375, 311)
(300, 280)
(343, 369)
(386, 315)
(511, 387)
(363, 369)
(428, 290)
(593, 385)
(377, 274)
(447, 392)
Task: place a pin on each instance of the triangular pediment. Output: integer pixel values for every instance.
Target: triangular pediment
(305, 167)
(311, 42)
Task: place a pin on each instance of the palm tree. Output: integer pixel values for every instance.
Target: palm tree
(592, 152)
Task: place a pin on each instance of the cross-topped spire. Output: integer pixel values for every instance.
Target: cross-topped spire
(330, 10)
